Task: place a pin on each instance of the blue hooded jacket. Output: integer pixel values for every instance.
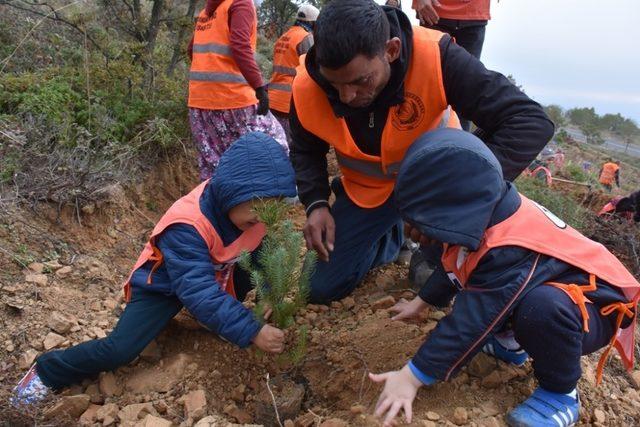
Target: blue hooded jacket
(255, 166)
(450, 186)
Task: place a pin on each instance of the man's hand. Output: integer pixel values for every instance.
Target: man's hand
(409, 310)
(415, 235)
(270, 339)
(263, 100)
(319, 232)
(399, 391)
(426, 11)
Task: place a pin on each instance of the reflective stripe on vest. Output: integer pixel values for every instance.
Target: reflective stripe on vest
(220, 49)
(215, 77)
(286, 57)
(284, 70)
(369, 180)
(561, 242)
(280, 86)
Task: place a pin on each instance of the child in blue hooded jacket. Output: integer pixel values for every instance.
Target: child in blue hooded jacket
(188, 262)
(525, 283)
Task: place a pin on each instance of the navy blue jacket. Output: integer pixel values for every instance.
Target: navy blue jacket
(254, 167)
(462, 195)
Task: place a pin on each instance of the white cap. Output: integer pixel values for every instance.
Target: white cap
(307, 13)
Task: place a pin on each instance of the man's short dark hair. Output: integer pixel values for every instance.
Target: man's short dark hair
(348, 28)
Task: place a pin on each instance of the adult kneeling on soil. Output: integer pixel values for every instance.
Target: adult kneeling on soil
(188, 261)
(371, 85)
(525, 283)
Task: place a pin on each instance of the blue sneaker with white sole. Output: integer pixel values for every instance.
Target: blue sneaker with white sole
(545, 408)
(515, 357)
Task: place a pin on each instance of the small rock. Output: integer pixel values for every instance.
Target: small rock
(241, 415)
(489, 422)
(38, 279)
(436, 315)
(88, 417)
(26, 359)
(357, 409)
(53, 340)
(348, 303)
(53, 264)
(109, 385)
(427, 423)
(99, 333)
(336, 305)
(161, 406)
(64, 271)
(433, 416)
(384, 302)
(599, 416)
(481, 365)
(288, 423)
(89, 208)
(460, 416)
(237, 393)
(94, 394)
(493, 380)
(334, 422)
(151, 353)
(635, 378)
(107, 413)
(136, 412)
(68, 406)
(152, 421)
(384, 282)
(36, 267)
(96, 306)
(61, 323)
(195, 404)
(110, 304)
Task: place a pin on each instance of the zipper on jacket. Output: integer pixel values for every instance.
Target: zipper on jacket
(371, 121)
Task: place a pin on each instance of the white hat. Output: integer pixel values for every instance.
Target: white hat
(307, 13)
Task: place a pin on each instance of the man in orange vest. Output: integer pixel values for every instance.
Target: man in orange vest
(465, 21)
(227, 96)
(189, 261)
(370, 86)
(610, 173)
(552, 294)
(286, 58)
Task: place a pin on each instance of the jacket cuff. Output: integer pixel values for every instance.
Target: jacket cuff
(424, 378)
(438, 290)
(252, 332)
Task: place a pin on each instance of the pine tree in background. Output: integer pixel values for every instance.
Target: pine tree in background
(282, 274)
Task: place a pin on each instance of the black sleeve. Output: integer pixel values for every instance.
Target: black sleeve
(618, 178)
(512, 125)
(309, 159)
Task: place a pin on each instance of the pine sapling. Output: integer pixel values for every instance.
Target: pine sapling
(281, 275)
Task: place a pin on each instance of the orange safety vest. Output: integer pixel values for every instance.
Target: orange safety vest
(608, 175)
(566, 244)
(464, 10)
(215, 80)
(186, 210)
(367, 179)
(285, 61)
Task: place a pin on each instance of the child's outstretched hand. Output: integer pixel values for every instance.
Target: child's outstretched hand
(400, 389)
(270, 339)
(409, 310)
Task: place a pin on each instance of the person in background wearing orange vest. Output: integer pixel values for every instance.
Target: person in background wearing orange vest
(227, 96)
(286, 58)
(189, 261)
(465, 21)
(553, 295)
(370, 86)
(610, 173)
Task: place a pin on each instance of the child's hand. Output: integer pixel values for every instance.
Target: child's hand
(399, 391)
(270, 339)
(409, 310)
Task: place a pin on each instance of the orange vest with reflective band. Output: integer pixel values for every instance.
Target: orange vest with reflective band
(285, 62)
(215, 80)
(464, 9)
(554, 238)
(367, 179)
(608, 175)
(186, 210)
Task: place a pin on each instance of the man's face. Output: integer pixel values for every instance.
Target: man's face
(361, 80)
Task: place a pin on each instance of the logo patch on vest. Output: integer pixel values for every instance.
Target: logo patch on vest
(409, 114)
(552, 217)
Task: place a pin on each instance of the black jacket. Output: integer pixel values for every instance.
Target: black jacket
(512, 125)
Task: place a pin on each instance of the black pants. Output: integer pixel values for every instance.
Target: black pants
(469, 35)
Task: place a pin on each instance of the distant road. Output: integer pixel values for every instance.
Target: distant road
(609, 144)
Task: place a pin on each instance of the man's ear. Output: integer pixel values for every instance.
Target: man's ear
(392, 49)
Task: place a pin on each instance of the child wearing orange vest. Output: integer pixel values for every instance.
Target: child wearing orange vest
(609, 173)
(525, 283)
(188, 262)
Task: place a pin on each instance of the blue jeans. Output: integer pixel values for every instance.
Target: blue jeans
(365, 238)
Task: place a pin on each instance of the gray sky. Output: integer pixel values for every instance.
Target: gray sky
(575, 53)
